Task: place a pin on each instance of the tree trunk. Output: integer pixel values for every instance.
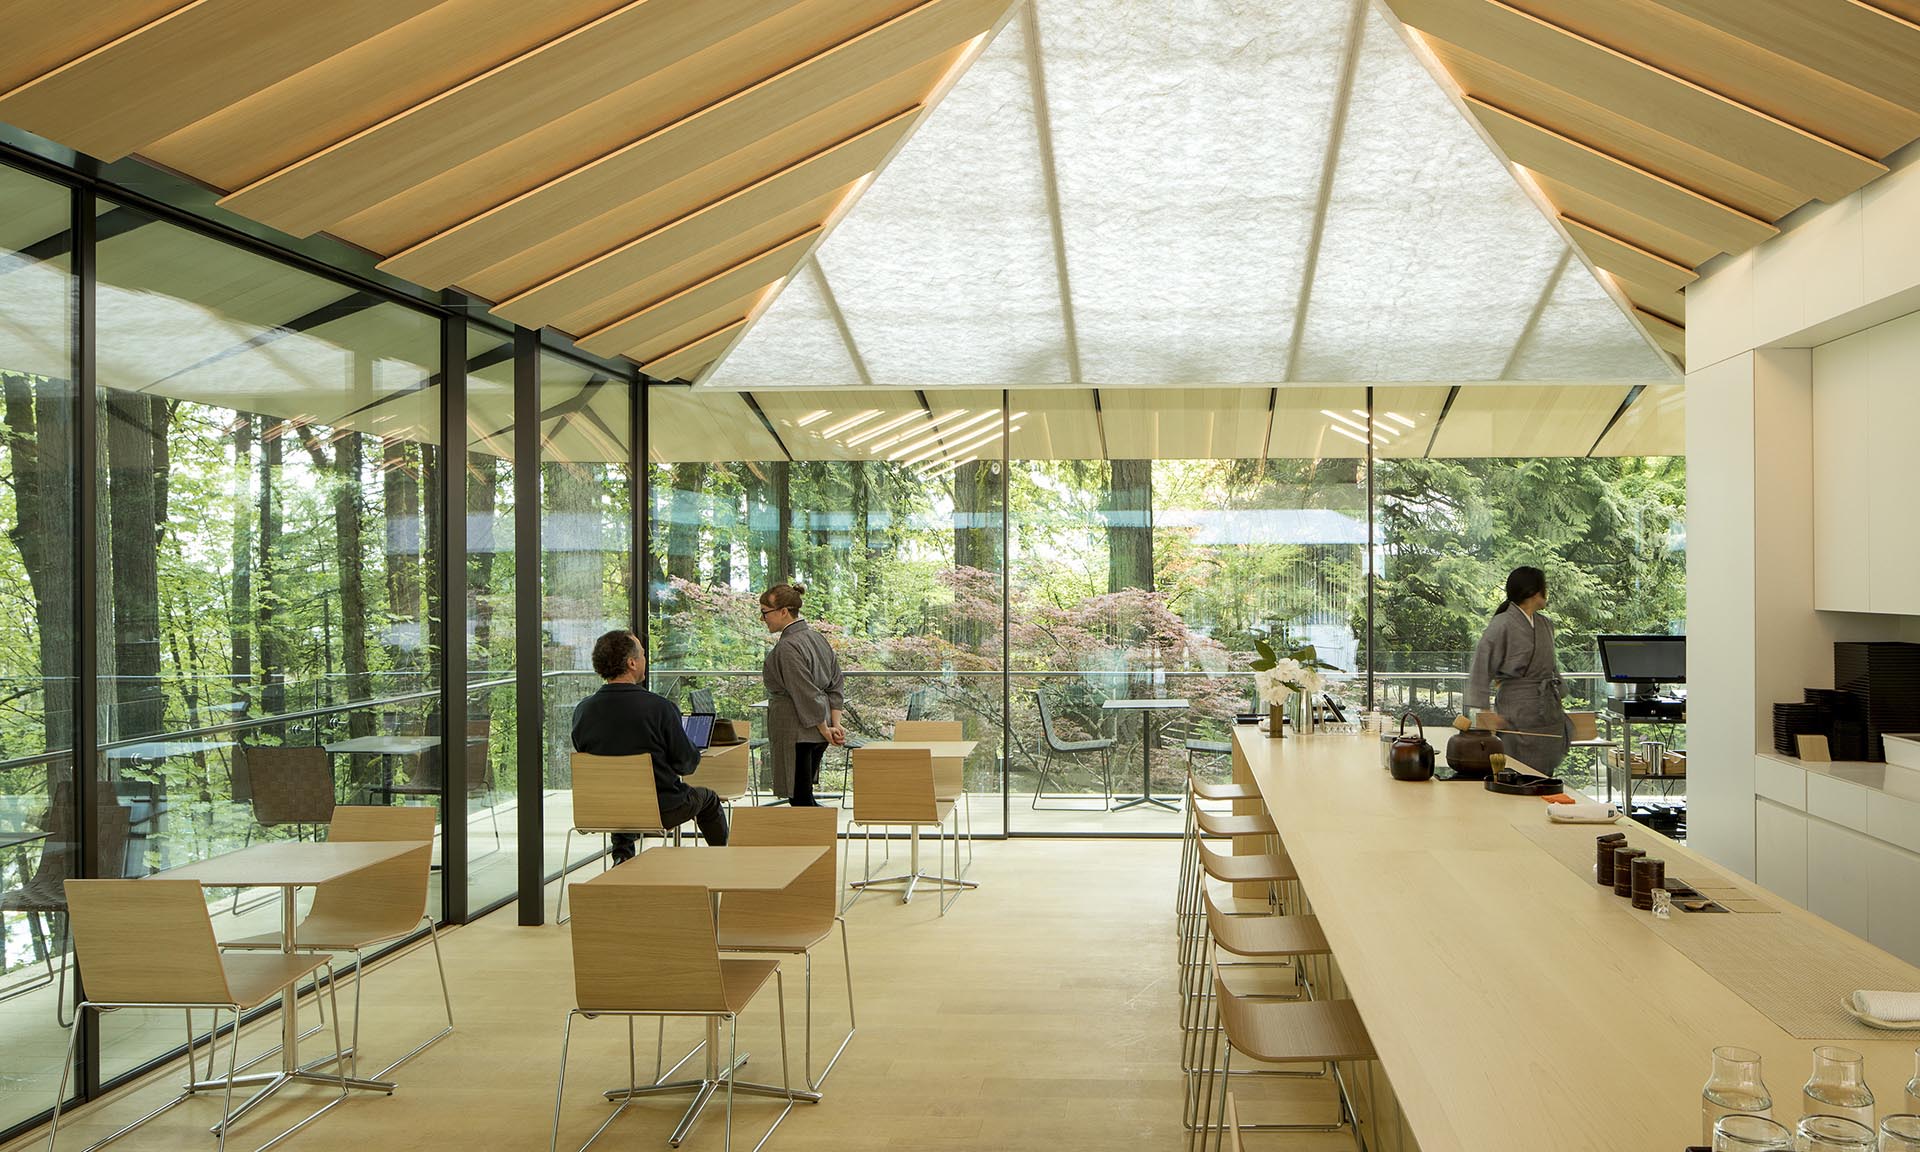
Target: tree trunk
(683, 523)
(39, 415)
(240, 606)
(483, 493)
(400, 487)
(273, 686)
(723, 490)
(976, 538)
(349, 533)
(782, 473)
(574, 548)
(136, 477)
(1130, 525)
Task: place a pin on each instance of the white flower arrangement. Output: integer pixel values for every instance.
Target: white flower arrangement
(1278, 677)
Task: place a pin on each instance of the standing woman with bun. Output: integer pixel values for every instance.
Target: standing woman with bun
(804, 696)
(1514, 665)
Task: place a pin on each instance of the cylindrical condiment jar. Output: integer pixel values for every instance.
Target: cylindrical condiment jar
(1603, 857)
(1648, 873)
(1622, 869)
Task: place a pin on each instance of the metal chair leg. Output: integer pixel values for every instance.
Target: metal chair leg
(560, 901)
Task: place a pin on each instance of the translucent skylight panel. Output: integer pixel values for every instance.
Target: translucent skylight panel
(794, 343)
(944, 269)
(1583, 335)
(1527, 419)
(1189, 137)
(1655, 424)
(1432, 258)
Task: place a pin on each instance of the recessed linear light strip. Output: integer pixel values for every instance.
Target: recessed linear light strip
(951, 465)
(1399, 419)
(910, 433)
(940, 433)
(883, 429)
(966, 444)
(850, 422)
(978, 439)
(1342, 430)
(814, 417)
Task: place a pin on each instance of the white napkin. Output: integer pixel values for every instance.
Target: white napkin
(1901, 1007)
(1583, 812)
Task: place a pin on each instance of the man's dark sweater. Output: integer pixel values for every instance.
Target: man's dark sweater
(628, 720)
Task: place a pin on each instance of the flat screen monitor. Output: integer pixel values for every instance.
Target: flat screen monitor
(1643, 659)
(699, 727)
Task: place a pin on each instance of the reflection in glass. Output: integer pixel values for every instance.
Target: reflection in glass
(491, 439)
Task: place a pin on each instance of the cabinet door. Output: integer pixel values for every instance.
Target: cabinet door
(1780, 850)
(1839, 865)
(1842, 475)
(1893, 901)
(1893, 567)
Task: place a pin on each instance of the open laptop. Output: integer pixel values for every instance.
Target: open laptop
(699, 729)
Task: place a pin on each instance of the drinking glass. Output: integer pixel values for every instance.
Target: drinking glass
(1913, 1085)
(1900, 1133)
(1832, 1134)
(1745, 1132)
(1838, 1086)
(1733, 1088)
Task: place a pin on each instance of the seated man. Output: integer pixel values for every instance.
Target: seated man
(624, 719)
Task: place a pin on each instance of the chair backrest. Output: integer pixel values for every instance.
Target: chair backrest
(479, 767)
(391, 896)
(1586, 725)
(918, 701)
(145, 942)
(1046, 720)
(290, 785)
(700, 700)
(615, 794)
(894, 786)
(809, 904)
(724, 769)
(928, 730)
(642, 947)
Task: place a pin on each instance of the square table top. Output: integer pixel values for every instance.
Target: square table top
(941, 749)
(385, 745)
(743, 869)
(1153, 704)
(288, 863)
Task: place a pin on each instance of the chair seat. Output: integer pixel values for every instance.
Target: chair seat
(1080, 745)
(1224, 791)
(1216, 824)
(737, 934)
(1261, 869)
(741, 980)
(1270, 935)
(623, 831)
(1286, 1031)
(36, 896)
(330, 934)
(1216, 746)
(942, 809)
(257, 977)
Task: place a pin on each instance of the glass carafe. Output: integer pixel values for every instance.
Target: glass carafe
(1900, 1134)
(1913, 1085)
(1832, 1134)
(1838, 1086)
(1734, 1087)
(1747, 1133)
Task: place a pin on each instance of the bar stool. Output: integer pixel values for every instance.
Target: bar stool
(1259, 942)
(1280, 1032)
(1271, 868)
(1198, 790)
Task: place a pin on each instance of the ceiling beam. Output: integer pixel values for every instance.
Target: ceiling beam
(768, 425)
(1633, 394)
(1628, 260)
(840, 321)
(1049, 177)
(1453, 394)
(1539, 309)
(1870, 48)
(693, 355)
(632, 331)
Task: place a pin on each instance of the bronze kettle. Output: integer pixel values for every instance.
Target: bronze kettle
(1470, 752)
(1410, 757)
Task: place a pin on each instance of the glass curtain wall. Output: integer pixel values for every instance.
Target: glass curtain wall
(265, 642)
(39, 842)
(586, 535)
(887, 507)
(492, 841)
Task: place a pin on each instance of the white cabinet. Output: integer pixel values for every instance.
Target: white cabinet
(1839, 869)
(1780, 850)
(1893, 467)
(1842, 482)
(1893, 901)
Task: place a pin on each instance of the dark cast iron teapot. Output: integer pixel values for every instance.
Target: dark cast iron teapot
(1410, 757)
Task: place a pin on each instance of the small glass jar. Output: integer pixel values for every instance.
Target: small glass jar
(1832, 1134)
(1838, 1086)
(1744, 1132)
(1734, 1087)
(1900, 1133)
(1662, 904)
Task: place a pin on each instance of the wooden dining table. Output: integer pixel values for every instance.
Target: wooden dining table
(289, 866)
(719, 871)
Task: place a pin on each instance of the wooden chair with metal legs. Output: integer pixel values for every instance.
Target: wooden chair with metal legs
(150, 944)
(949, 775)
(1253, 943)
(611, 794)
(374, 906)
(1198, 790)
(1271, 867)
(726, 770)
(1328, 1032)
(792, 922)
(892, 787)
(647, 950)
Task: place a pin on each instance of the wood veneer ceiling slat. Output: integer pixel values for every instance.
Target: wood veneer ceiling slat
(43, 34)
(833, 167)
(653, 205)
(1593, 123)
(1672, 337)
(746, 305)
(631, 331)
(1821, 102)
(1654, 236)
(1532, 146)
(1866, 46)
(930, 29)
(691, 357)
(546, 82)
(1628, 260)
(1823, 169)
(154, 80)
(1665, 303)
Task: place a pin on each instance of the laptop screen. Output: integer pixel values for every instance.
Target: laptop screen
(699, 727)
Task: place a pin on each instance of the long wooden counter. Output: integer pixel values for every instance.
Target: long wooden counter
(1513, 1004)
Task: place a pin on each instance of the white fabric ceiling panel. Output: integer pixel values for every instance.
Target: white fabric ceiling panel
(1582, 335)
(796, 342)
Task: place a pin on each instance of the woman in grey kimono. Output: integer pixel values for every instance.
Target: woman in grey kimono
(1514, 665)
(804, 700)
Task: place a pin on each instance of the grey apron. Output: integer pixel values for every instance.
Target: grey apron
(1515, 661)
(1532, 704)
(784, 728)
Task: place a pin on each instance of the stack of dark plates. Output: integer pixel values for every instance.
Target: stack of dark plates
(1791, 721)
(1885, 675)
(1848, 740)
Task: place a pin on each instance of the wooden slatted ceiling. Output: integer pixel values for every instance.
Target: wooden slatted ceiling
(1527, 420)
(633, 172)
(1188, 424)
(1666, 132)
(1301, 429)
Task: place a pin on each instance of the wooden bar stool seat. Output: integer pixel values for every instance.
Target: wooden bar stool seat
(1190, 832)
(1218, 824)
(1207, 791)
(1266, 868)
(1328, 1032)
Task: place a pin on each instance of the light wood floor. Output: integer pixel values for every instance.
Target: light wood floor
(1040, 1013)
